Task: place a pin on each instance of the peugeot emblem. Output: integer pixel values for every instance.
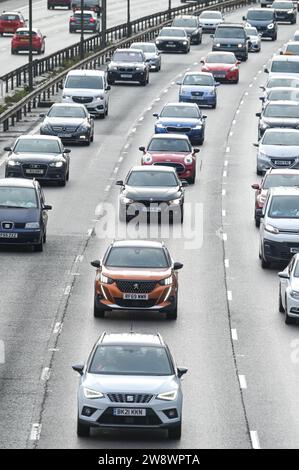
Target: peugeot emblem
(136, 286)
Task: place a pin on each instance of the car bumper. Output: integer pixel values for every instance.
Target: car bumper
(195, 135)
(184, 171)
(154, 64)
(24, 237)
(239, 53)
(126, 76)
(208, 28)
(74, 138)
(177, 47)
(280, 251)
(75, 28)
(255, 47)
(25, 47)
(200, 101)
(104, 299)
(264, 164)
(225, 76)
(51, 174)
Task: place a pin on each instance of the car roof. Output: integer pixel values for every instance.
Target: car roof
(68, 105)
(231, 25)
(91, 12)
(17, 182)
(38, 136)
(137, 243)
(292, 43)
(185, 16)
(127, 49)
(131, 338)
(151, 168)
(283, 88)
(197, 72)
(285, 191)
(211, 11)
(172, 27)
(86, 72)
(145, 43)
(282, 171)
(285, 58)
(280, 102)
(260, 9)
(10, 13)
(35, 30)
(182, 105)
(171, 136)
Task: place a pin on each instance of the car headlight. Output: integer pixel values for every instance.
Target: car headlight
(147, 159)
(218, 44)
(198, 126)
(161, 126)
(175, 202)
(104, 279)
(126, 200)
(57, 164)
(240, 45)
(247, 25)
(84, 128)
(13, 163)
(289, 12)
(188, 160)
(112, 67)
(89, 393)
(185, 43)
(294, 294)
(271, 229)
(270, 26)
(157, 41)
(263, 156)
(66, 96)
(233, 69)
(100, 97)
(167, 281)
(139, 69)
(32, 225)
(168, 396)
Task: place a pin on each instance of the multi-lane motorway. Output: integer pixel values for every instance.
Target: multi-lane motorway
(242, 386)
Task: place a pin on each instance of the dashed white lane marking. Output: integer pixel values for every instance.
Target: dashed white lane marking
(35, 431)
(224, 237)
(229, 295)
(120, 159)
(116, 169)
(166, 90)
(134, 130)
(227, 150)
(127, 146)
(243, 383)
(234, 122)
(246, 93)
(89, 232)
(79, 258)
(57, 327)
(224, 174)
(226, 263)
(45, 375)
(141, 119)
(242, 102)
(158, 99)
(259, 71)
(231, 133)
(107, 188)
(225, 162)
(254, 78)
(223, 192)
(223, 212)
(67, 290)
(234, 334)
(237, 111)
(255, 440)
(53, 349)
(251, 84)
(149, 108)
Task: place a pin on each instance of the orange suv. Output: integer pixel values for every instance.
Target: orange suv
(136, 275)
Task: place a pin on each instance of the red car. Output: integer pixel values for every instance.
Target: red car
(223, 65)
(10, 21)
(20, 41)
(172, 150)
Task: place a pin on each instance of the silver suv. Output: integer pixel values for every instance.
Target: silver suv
(88, 87)
(279, 229)
(130, 380)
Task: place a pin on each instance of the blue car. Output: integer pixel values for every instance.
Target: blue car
(199, 88)
(182, 118)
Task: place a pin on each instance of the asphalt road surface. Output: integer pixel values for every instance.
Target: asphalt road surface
(241, 390)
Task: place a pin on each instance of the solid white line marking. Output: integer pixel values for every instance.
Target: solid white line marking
(35, 431)
(45, 375)
(255, 440)
(234, 334)
(231, 133)
(224, 237)
(134, 130)
(166, 90)
(79, 258)
(120, 159)
(57, 327)
(223, 212)
(234, 122)
(227, 150)
(224, 174)
(226, 262)
(243, 383)
(229, 295)
(67, 290)
(246, 93)
(223, 192)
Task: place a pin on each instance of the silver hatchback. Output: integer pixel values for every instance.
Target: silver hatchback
(130, 381)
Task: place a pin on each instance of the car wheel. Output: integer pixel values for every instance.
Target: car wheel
(143, 82)
(68, 175)
(91, 138)
(39, 247)
(175, 432)
(264, 263)
(70, 30)
(98, 312)
(182, 214)
(259, 172)
(172, 313)
(287, 319)
(62, 182)
(274, 37)
(237, 80)
(257, 223)
(214, 105)
(83, 430)
(192, 179)
(280, 306)
(107, 110)
(45, 236)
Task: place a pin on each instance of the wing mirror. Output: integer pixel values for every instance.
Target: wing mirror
(142, 149)
(196, 150)
(96, 264)
(177, 266)
(255, 186)
(184, 183)
(283, 275)
(255, 145)
(266, 70)
(78, 368)
(156, 115)
(119, 183)
(67, 150)
(47, 207)
(181, 371)
(7, 149)
(258, 114)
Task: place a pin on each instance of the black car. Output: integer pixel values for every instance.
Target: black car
(192, 27)
(231, 38)
(285, 11)
(128, 65)
(71, 122)
(23, 213)
(40, 157)
(173, 40)
(148, 190)
(264, 20)
(278, 114)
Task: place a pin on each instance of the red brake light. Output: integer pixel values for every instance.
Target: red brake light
(72, 19)
(92, 20)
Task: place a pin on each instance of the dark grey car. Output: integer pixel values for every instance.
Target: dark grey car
(231, 38)
(278, 114)
(192, 27)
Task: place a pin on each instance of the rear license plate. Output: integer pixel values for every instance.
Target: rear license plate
(126, 75)
(282, 162)
(64, 135)
(34, 172)
(129, 412)
(135, 296)
(294, 250)
(8, 235)
(24, 40)
(151, 209)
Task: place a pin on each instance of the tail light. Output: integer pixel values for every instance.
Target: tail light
(72, 19)
(92, 20)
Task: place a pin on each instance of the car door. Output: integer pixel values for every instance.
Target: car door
(285, 283)
(44, 213)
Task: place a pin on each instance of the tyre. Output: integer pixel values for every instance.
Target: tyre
(45, 237)
(259, 172)
(264, 263)
(280, 306)
(214, 105)
(175, 432)
(192, 179)
(107, 110)
(274, 37)
(68, 175)
(98, 312)
(39, 247)
(237, 80)
(83, 430)
(14, 51)
(62, 182)
(91, 138)
(257, 222)
(143, 82)
(172, 313)
(287, 319)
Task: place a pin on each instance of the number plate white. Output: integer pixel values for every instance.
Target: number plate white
(133, 296)
(8, 235)
(64, 135)
(126, 75)
(282, 162)
(129, 412)
(151, 209)
(34, 172)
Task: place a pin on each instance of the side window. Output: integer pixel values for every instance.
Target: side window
(291, 265)
(41, 196)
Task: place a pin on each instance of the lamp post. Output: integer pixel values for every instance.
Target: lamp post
(104, 22)
(128, 18)
(169, 9)
(82, 31)
(30, 74)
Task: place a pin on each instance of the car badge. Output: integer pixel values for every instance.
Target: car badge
(136, 286)
(130, 398)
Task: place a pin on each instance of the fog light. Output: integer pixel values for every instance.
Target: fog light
(82, 136)
(267, 248)
(171, 414)
(88, 411)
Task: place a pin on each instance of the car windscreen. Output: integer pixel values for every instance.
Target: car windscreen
(198, 80)
(220, 59)
(260, 15)
(152, 179)
(233, 33)
(130, 359)
(8, 17)
(36, 145)
(283, 95)
(284, 66)
(136, 257)
(84, 81)
(67, 112)
(283, 5)
(25, 33)
(281, 138)
(144, 47)
(213, 15)
(292, 49)
(173, 32)
(284, 207)
(180, 112)
(272, 181)
(169, 145)
(282, 111)
(127, 56)
(283, 82)
(251, 31)
(86, 16)
(185, 22)
(15, 197)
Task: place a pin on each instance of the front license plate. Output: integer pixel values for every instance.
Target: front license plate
(170, 45)
(294, 250)
(64, 135)
(282, 162)
(126, 75)
(151, 209)
(34, 172)
(129, 412)
(135, 296)
(219, 75)
(8, 235)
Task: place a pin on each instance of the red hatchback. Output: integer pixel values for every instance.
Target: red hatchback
(223, 65)
(20, 41)
(10, 21)
(172, 150)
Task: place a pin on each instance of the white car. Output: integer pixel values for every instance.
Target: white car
(209, 20)
(88, 87)
(289, 290)
(282, 65)
(255, 39)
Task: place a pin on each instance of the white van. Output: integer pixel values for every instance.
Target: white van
(88, 87)
(281, 65)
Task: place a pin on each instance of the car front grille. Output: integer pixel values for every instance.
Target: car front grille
(178, 129)
(138, 287)
(82, 99)
(34, 169)
(129, 397)
(126, 69)
(178, 166)
(66, 129)
(197, 93)
(141, 304)
(151, 419)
